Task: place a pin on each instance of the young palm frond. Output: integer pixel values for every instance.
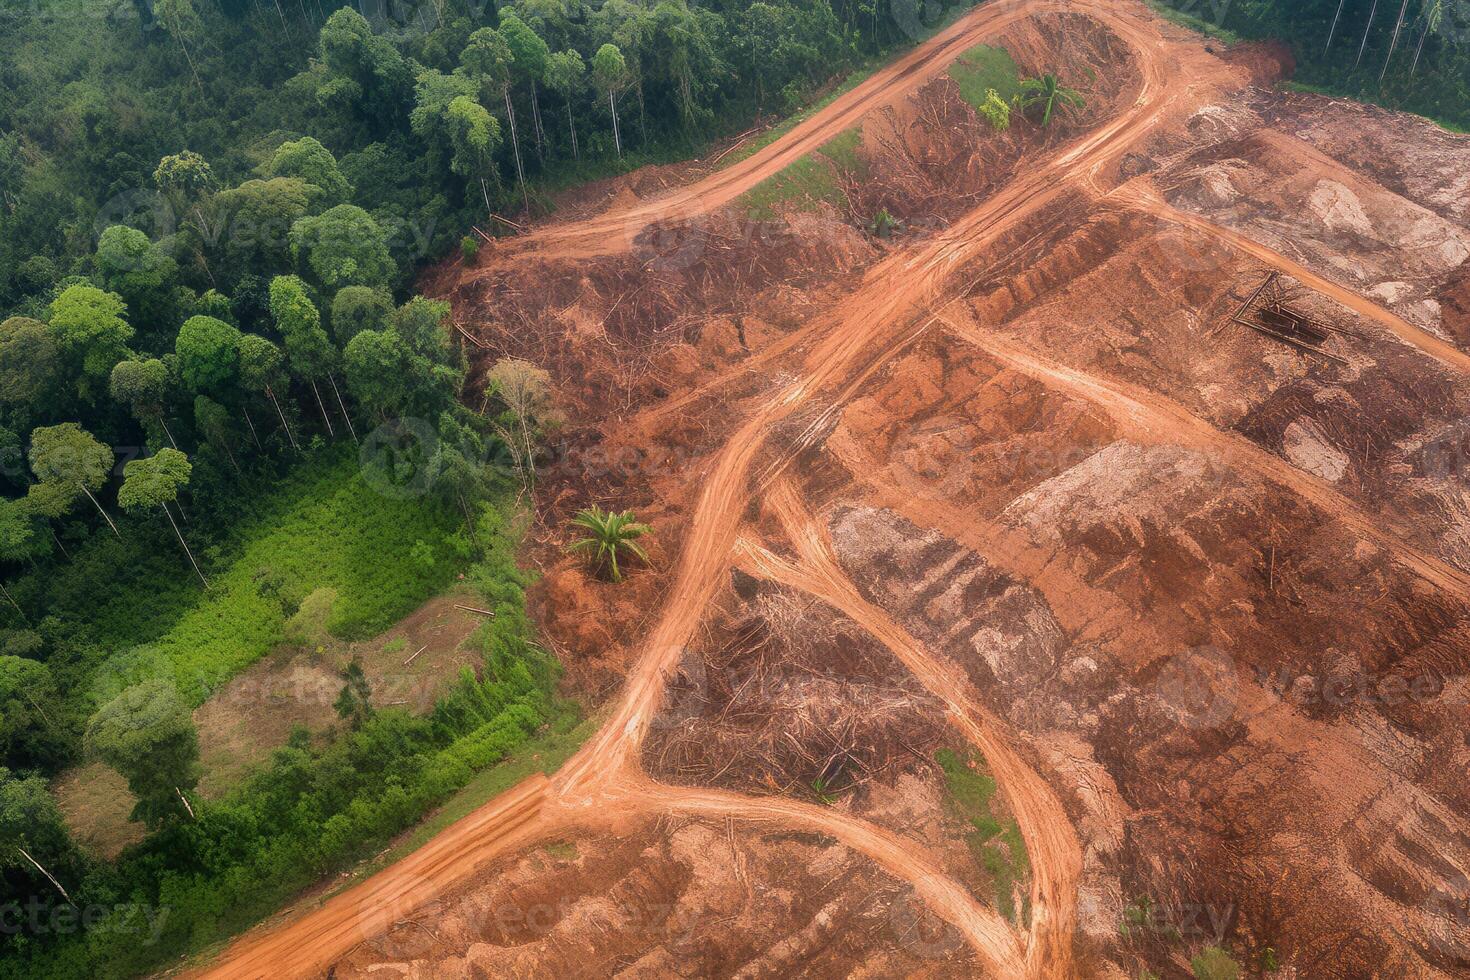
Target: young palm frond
(1049, 93)
(609, 533)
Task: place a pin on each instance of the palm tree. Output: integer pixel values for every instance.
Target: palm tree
(1049, 91)
(609, 533)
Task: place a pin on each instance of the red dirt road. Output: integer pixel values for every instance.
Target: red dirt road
(890, 308)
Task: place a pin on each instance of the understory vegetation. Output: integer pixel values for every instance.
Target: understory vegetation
(314, 810)
(1413, 55)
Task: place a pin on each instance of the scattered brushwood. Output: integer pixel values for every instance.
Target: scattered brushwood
(790, 698)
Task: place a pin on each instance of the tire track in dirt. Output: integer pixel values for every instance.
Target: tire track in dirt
(876, 320)
(987, 933)
(1056, 854)
(1146, 199)
(1153, 418)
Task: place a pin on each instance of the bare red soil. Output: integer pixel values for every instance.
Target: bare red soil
(1013, 480)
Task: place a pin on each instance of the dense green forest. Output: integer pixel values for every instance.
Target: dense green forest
(427, 116)
(1412, 55)
(225, 418)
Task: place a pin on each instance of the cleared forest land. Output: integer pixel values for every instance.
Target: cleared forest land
(1068, 575)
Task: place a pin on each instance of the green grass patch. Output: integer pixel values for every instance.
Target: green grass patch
(320, 809)
(983, 68)
(814, 178)
(996, 844)
(322, 526)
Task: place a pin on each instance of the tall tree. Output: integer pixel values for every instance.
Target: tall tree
(307, 159)
(474, 134)
(610, 75)
(30, 365)
(487, 60)
(343, 246)
(69, 462)
(260, 371)
(92, 334)
(564, 74)
(155, 482)
(146, 734)
(208, 353)
(142, 386)
(529, 57)
(307, 348)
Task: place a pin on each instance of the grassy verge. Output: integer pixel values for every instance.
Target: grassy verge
(983, 68)
(816, 177)
(996, 844)
(545, 753)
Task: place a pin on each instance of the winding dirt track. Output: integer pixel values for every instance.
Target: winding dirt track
(889, 309)
(1051, 843)
(616, 229)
